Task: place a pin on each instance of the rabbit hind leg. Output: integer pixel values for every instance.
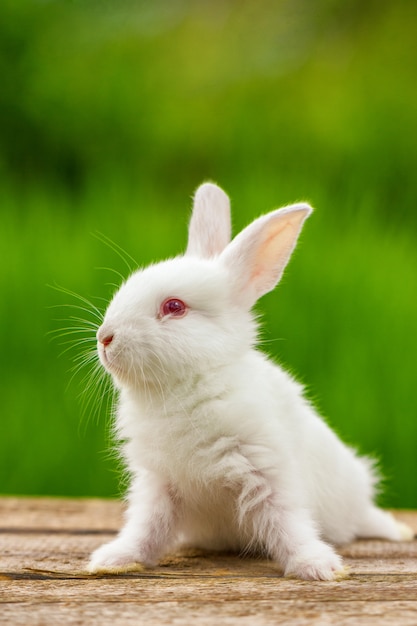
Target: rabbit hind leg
(379, 524)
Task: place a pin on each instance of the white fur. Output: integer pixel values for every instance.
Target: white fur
(223, 450)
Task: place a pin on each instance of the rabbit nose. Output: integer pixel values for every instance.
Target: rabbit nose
(104, 336)
(107, 340)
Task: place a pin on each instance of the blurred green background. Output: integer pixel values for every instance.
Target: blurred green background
(113, 112)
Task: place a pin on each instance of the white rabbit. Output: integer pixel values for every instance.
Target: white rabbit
(223, 450)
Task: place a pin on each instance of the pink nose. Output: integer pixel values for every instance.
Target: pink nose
(106, 341)
(105, 336)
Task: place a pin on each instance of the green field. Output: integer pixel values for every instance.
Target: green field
(112, 113)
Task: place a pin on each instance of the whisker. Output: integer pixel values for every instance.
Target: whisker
(95, 390)
(111, 269)
(121, 253)
(91, 322)
(85, 358)
(113, 285)
(78, 307)
(78, 336)
(74, 345)
(69, 330)
(106, 300)
(93, 310)
(82, 320)
(78, 367)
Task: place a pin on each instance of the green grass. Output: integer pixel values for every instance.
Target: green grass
(119, 124)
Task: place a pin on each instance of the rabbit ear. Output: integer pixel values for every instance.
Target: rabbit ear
(209, 231)
(256, 258)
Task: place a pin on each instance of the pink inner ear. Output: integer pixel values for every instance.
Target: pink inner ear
(257, 257)
(273, 255)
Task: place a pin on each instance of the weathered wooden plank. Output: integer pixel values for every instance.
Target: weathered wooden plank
(45, 543)
(60, 513)
(68, 553)
(230, 613)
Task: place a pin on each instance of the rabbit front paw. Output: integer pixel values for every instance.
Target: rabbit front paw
(317, 562)
(115, 557)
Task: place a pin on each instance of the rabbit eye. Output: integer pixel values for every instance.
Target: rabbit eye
(173, 307)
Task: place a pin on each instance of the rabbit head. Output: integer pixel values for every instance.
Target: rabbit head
(186, 315)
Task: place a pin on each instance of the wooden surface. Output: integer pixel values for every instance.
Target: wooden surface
(45, 545)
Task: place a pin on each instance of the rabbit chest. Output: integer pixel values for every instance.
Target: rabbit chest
(182, 442)
(207, 450)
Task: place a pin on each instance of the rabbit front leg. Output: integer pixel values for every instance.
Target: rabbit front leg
(269, 512)
(147, 533)
(269, 509)
(291, 539)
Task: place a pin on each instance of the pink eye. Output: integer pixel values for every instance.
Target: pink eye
(173, 307)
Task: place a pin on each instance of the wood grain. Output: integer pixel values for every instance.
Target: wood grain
(45, 543)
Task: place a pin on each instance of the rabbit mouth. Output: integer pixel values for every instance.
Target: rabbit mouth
(114, 362)
(108, 363)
